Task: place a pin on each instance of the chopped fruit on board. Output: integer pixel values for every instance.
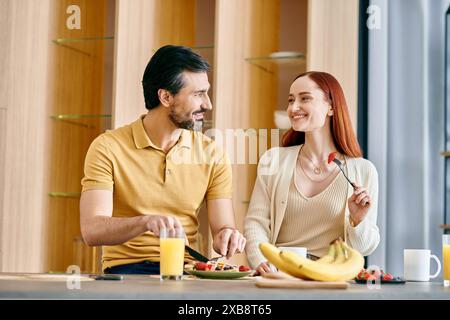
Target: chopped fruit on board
(388, 277)
(201, 266)
(244, 268)
(215, 266)
(372, 275)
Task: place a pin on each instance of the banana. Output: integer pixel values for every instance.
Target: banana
(340, 254)
(272, 254)
(335, 255)
(341, 263)
(313, 270)
(329, 257)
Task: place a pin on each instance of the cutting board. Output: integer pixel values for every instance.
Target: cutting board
(278, 275)
(300, 284)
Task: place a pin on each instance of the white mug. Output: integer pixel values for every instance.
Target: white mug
(416, 265)
(301, 251)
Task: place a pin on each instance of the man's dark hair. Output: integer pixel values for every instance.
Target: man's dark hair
(164, 71)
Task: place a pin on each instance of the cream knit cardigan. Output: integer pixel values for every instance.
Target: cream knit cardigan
(269, 199)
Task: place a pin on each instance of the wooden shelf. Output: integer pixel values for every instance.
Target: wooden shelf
(60, 41)
(79, 119)
(445, 226)
(79, 116)
(79, 44)
(445, 154)
(267, 63)
(64, 194)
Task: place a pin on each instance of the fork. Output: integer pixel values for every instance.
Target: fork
(341, 166)
(333, 158)
(216, 258)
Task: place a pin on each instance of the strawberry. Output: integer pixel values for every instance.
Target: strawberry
(201, 266)
(368, 276)
(371, 277)
(388, 277)
(243, 268)
(361, 274)
(331, 157)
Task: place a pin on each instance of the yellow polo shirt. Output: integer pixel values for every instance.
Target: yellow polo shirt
(145, 180)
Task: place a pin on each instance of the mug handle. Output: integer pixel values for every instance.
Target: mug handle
(439, 266)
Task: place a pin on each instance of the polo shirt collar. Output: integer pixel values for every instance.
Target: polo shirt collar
(185, 139)
(142, 141)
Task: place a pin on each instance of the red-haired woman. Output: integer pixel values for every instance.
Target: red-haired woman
(299, 200)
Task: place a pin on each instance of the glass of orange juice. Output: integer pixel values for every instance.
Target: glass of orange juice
(446, 258)
(171, 248)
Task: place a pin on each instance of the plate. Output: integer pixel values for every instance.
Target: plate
(393, 281)
(219, 274)
(285, 54)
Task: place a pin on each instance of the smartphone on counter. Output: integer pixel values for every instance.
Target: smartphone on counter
(107, 277)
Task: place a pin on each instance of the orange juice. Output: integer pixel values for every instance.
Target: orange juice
(172, 257)
(446, 257)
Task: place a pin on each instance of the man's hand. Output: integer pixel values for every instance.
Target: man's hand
(229, 241)
(155, 223)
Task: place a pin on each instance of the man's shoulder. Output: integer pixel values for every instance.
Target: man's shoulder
(120, 135)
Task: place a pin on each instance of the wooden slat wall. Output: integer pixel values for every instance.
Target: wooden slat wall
(142, 26)
(293, 37)
(175, 22)
(24, 38)
(134, 41)
(4, 88)
(76, 71)
(333, 44)
(245, 95)
(3, 114)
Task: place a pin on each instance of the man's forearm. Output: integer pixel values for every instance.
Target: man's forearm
(109, 231)
(221, 215)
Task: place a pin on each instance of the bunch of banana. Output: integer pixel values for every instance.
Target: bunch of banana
(342, 263)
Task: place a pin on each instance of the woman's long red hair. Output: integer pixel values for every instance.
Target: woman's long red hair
(344, 137)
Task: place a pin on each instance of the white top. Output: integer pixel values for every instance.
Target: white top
(265, 220)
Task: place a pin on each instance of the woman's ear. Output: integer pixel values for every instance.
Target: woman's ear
(165, 97)
(330, 112)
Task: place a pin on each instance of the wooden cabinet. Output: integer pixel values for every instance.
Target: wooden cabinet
(79, 107)
(79, 82)
(446, 154)
(24, 60)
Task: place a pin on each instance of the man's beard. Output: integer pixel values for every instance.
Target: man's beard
(183, 122)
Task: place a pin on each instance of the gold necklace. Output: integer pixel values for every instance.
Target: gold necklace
(304, 172)
(317, 170)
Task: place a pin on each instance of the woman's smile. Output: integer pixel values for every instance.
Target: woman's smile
(298, 115)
